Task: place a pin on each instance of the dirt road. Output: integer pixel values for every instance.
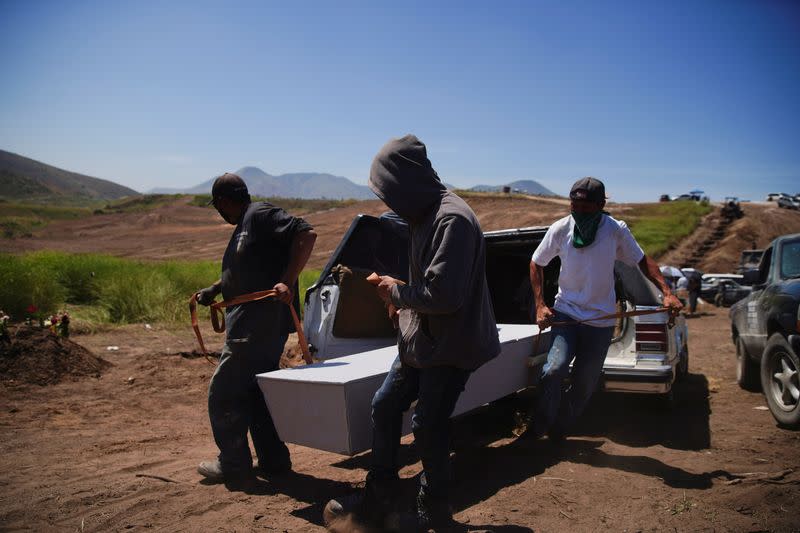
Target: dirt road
(118, 453)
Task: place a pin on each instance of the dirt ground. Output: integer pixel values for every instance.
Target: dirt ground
(119, 452)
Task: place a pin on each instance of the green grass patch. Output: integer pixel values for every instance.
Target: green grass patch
(19, 219)
(137, 204)
(296, 206)
(102, 289)
(660, 226)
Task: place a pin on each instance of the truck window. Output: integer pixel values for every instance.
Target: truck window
(790, 260)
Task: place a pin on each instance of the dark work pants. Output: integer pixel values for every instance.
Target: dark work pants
(236, 405)
(436, 390)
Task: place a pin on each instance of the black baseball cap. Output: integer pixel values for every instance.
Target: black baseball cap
(229, 186)
(591, 189)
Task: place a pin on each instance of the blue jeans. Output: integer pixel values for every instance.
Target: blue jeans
(236, 405)
(588, 345)
(436, 390)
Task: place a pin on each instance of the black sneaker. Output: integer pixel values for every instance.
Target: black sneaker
(371, 505)
(212, 471)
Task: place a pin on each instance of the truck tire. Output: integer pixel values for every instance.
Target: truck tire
(747, 374)
(780, 380)
(682, 368)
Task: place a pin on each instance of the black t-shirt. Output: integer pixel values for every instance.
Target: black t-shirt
(255, 259)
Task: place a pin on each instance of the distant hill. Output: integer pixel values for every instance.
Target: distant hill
(26, 179)
(294, 185)
(521, 186)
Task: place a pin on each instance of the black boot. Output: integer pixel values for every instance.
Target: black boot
(430, 513)
(370, 506)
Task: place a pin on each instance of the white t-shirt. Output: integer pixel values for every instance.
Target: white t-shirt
(586, 279)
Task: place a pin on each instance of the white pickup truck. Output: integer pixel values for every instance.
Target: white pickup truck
(327, 405)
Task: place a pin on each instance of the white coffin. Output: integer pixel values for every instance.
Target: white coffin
(327, 405)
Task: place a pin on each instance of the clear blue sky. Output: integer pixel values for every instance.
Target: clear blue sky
(652, 97)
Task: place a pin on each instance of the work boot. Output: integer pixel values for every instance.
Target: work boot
(430, 513)
(212, 471)
(370, 506)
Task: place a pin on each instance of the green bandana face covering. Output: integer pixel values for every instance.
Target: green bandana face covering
(585, 230)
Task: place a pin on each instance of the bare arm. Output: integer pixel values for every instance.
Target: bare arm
(299, 252)
(544, 315)
(650, 269)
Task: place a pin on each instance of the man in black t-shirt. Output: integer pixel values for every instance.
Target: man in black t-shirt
(267, 250)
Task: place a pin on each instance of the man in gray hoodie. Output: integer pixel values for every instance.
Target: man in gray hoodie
(447, 330)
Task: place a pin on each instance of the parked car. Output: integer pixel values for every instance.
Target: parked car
(343, 315)
(773, 196)
(688, 197)
(711, 283)
(664, 198)
(765, 328)
(729, 292)
(788, 202)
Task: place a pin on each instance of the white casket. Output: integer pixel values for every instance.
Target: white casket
(327, 405)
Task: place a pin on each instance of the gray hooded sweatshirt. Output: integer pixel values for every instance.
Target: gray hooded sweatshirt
(446, 316)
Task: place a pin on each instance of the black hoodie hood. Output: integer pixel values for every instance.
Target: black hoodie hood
(402, 176)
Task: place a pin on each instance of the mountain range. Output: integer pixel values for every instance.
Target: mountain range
(319, 185)
(294, 185)
(26, 179)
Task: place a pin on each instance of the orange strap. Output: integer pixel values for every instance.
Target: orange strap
(617, 315)
(622, 314)
(219, 323)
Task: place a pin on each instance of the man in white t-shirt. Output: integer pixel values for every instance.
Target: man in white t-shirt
(588, 242)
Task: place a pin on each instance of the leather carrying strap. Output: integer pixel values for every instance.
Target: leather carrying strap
(623, 314)
(218, 319)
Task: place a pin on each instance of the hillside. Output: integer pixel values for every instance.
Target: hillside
(24, 179)
(294, 185)
(175, 229)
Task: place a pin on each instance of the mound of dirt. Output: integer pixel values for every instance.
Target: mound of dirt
(759, 226)
(35, 355)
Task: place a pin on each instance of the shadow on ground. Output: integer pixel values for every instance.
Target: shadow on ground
(629, 419)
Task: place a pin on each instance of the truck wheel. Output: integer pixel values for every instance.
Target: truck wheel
(780, 381)
(682, 368)
(747, 375)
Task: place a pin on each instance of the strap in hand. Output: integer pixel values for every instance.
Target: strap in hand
(218, 319)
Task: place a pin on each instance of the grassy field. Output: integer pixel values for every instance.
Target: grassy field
(100, 289)
(658, 227)
(19, 220)
(297, 206)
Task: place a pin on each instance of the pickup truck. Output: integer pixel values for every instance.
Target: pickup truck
(645, 355)
(353, 340)
(765, 327)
